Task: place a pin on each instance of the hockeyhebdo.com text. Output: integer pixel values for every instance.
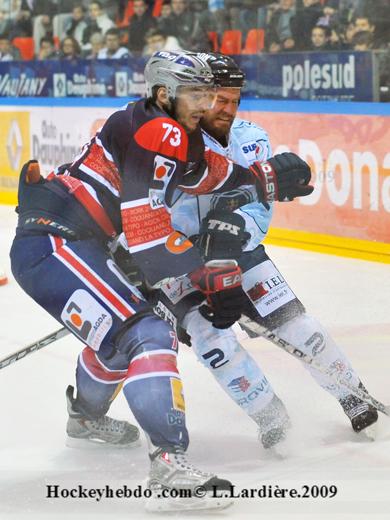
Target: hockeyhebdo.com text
(265, 491)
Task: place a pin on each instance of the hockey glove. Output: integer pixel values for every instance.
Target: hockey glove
(222, 235)
(221, 284)
(121, 255)
(283, 177)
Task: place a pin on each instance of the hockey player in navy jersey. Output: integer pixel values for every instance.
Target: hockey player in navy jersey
(209, 220)
(123, 181)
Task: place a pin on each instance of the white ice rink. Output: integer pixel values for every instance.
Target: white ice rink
(350, 297)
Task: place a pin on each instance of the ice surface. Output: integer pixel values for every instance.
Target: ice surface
(350, 297)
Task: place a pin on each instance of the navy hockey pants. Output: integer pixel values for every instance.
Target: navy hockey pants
(80, 285)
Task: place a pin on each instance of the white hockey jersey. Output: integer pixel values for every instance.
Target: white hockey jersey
(247, 143)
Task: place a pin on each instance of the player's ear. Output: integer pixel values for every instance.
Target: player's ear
(162, 96)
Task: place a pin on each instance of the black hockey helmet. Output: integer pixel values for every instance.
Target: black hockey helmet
(225, 70)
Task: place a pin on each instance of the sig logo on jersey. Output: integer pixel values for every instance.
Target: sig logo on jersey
(253, 150)
(86, 318)
(177, 394)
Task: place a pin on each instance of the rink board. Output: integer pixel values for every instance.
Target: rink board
(346, 145)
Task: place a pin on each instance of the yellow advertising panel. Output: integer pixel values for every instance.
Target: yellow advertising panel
(14, 152)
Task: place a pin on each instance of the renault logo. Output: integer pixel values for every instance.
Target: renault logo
(14, 145)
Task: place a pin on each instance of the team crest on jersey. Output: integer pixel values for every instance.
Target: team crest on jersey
(86, 318)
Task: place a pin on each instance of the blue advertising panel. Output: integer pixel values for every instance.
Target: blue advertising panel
(343, 76)
(76, 78)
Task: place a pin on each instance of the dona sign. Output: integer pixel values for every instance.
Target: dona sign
(350, 160)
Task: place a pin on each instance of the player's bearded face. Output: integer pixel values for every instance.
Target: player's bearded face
(218, 120)
(191, 105)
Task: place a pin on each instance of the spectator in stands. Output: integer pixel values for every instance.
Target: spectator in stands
(76, 25)
(320, 38)
(97, 43)
(302, 24)
(378, 12)
(346, 36)
(42, 12)
(70, 49)
(47, 50)
(156, 41)
(365, 24)
(278, 34)
(214, 19)
(7, 51)
(252, 14)
(113, 49)
(99, 22)
(219, 14)
(165, 10)
(61, 18)
(181, 23)
(363, 41)
(22, 26)
(5, 22)
(141, 21)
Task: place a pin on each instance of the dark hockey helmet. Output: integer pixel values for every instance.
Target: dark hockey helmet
(225, 70)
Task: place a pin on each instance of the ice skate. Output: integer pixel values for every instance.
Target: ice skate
(362, 415)
(105, 431)
(171, 472)
(273, 422)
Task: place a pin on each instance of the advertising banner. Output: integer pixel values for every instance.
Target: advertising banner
(75, 78)
(339, 76)
(349, 154)
(342, 76)
(48, 134)
(350, 160)
(14, 151)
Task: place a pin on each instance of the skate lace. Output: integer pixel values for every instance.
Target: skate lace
(182, 462)
(107, 424)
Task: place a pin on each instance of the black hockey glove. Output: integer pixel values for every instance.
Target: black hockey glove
(222, 235)
(120, 254)
(283, 177)
(221, 284)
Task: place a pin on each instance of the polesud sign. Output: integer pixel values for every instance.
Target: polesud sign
(327, 75)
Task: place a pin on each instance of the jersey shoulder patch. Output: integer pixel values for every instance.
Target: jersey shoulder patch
(163, 135)
(242, 127)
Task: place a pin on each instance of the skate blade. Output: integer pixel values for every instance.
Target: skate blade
(157, 504)
(370, 433)
(96, 444)
(279, 451)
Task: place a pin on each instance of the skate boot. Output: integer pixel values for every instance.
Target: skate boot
(104, 431)
(361, 414)
(273, 422)
(177, 485)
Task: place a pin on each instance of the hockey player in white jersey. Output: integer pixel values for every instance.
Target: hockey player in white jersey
(223, 225)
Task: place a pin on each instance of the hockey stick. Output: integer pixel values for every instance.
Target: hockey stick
(33, 347)
(256, 329)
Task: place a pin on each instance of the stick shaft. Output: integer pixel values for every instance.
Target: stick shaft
(33, 347)
(259, 330)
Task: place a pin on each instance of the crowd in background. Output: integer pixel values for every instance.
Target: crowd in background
(68, 29)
